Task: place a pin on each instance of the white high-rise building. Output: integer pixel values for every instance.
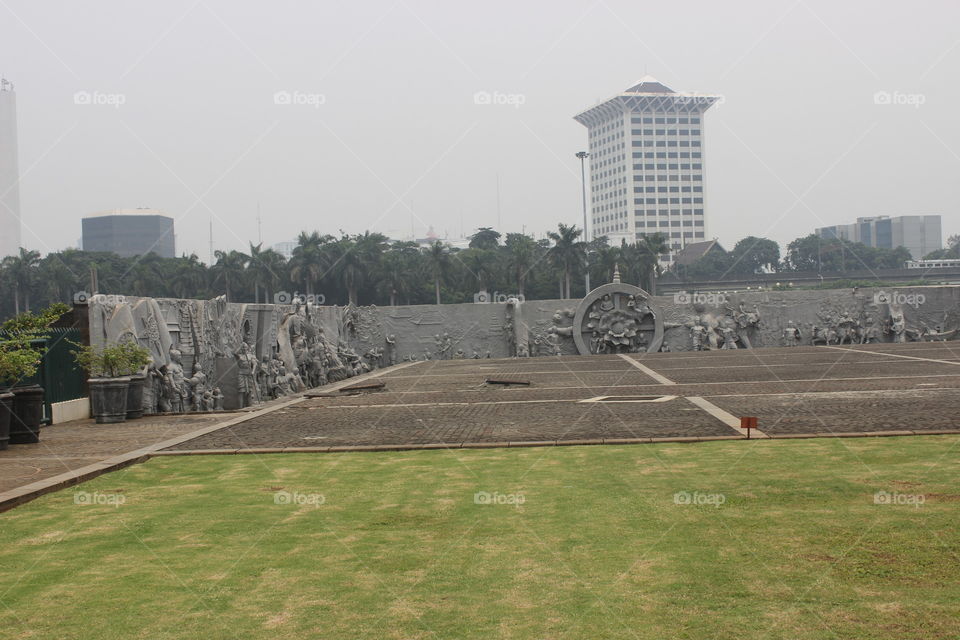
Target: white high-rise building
(9, 173)
(647, 164)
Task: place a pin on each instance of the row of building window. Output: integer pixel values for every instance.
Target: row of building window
(666, 143)
(682, 200)
(669, 223)
(663, 120)
(665, 132)
(658, 190)
(667, 154)
(663, 166)
(668, 178)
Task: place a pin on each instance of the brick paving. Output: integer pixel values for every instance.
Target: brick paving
(802, 390)
(73, 445)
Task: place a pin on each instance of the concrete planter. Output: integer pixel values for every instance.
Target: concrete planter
(108, 399)
(27, 415)
(135, 397)
(6, 409)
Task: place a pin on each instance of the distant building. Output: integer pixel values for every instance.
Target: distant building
(285, 248)
(130, 232)
(918, 234)
(694, 251)
(10, 239)
(647, 164)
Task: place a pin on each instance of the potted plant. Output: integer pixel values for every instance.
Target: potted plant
(110, 370)
(21, 407)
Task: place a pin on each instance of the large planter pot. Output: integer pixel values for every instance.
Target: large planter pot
(27, 415)
(6, 410)
(135, 397)
(108, 399)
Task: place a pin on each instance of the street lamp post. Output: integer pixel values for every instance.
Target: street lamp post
(583, 186)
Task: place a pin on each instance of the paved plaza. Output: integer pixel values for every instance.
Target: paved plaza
(830, 391)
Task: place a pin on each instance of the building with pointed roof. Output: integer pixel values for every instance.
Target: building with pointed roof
(646, 148)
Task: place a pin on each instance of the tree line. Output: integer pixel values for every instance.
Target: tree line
(369, 268)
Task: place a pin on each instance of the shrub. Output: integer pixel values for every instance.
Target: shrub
(112, 361)
(19, 359)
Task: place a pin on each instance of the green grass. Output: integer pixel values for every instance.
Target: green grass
(598, 549)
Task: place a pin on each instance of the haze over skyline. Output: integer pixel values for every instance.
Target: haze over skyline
(360, 117)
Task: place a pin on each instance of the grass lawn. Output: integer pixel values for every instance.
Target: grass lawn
(781, 540)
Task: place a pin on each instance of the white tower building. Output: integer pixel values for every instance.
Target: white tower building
(9, 173)
(647, 164)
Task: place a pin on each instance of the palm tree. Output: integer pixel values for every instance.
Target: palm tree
(306, 265)
(229, 269)
(521, 257)
(22, 269)
(357, 258)
(605, 259)
(566, 254)
(642, 259)
(398, 270)
(188, 277)
(265, 268)
(438, 262)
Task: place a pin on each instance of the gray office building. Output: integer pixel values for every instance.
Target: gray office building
(130, 232)
(919, 234)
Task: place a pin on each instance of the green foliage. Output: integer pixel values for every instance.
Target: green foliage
(112, 361)
(19, 358)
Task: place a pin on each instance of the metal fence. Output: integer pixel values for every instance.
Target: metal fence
(58, 372)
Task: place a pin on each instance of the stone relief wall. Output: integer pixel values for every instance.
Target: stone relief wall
(211, 355)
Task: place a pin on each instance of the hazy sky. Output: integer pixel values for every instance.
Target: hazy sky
(387, 134)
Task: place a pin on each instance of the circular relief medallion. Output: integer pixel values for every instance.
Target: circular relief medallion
(617, 318)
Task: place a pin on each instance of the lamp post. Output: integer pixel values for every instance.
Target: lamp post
(583, 186)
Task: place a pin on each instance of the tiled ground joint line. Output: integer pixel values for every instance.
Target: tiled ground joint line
(701, 403)
(895, 355)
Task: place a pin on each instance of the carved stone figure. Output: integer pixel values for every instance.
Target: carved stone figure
(177, 387)
(391, 349)
(217, 399)
(791, 335)
(198, 386)
(247, 371)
